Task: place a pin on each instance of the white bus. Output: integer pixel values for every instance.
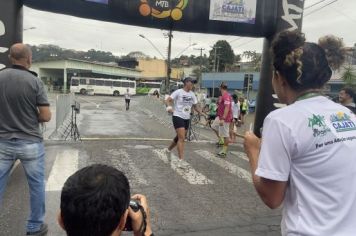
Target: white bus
(113, 87)
(148, 87)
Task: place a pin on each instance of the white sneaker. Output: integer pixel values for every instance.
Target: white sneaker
(181, 165)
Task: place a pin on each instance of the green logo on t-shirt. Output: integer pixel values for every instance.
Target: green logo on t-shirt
(318, 125)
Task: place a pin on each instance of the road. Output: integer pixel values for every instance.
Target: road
(211, 196)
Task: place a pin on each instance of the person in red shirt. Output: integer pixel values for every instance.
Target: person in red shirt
(221, 124)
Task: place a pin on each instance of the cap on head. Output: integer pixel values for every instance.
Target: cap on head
(189, 79)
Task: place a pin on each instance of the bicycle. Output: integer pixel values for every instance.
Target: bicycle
(193, 131)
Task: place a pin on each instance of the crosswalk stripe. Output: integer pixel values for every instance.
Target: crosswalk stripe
(241, 155)
(231, 168)
(188, 173)
(65, 164)
(125, 163)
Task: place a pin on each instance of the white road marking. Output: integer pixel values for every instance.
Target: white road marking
(241, 155)
(65, 165)
(123, 162)
(231, 168)
(188, 173)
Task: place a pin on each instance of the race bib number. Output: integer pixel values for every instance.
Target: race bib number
(186, 109)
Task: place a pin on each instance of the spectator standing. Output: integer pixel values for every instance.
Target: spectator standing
(24, 105)
(346, 98)
(306, 158)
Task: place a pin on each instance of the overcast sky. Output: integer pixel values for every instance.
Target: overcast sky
(338, 18)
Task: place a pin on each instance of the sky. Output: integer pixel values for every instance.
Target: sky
(338, 18)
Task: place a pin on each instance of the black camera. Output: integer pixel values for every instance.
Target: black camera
(135, 206)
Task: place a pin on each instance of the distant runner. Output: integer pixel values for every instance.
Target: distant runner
(127, 99)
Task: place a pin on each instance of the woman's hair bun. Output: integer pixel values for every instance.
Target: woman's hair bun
(334, 50)
(288, 41)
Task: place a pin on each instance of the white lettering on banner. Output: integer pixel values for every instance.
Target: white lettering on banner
(163, 4)
(2, 49)
(289, 17)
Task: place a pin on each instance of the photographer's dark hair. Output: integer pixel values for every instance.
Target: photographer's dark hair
(306, 65)
(93, 200)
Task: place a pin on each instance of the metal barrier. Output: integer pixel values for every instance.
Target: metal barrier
(64, 104)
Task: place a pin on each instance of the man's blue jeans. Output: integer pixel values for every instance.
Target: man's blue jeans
(31, 155)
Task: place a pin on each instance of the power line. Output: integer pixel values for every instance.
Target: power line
(305, 8)
(318, 9)
(342, 13)
(234, 40)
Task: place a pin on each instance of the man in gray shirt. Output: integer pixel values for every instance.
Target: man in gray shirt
(23, 106)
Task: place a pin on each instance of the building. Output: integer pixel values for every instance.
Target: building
(57, 74)
(244, 82)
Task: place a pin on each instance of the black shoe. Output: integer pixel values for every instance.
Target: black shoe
(42, 232)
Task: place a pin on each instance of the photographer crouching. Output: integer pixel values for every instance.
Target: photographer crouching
(95, 201)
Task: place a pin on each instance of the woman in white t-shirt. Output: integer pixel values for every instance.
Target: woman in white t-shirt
(184, 100)
(306, 158)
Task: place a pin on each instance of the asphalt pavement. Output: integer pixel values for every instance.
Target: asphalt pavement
(210, 196)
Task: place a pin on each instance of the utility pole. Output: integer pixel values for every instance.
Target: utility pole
(218, 64)
(168, 78)
(200, 66)
(215, 48)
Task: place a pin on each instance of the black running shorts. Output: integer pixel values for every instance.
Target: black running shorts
(180, 123)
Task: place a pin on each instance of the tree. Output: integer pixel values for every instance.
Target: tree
(349, 76)
(254, 58)
(224, 55)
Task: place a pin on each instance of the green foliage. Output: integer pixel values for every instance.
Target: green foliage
(349, 76)
(225, 56)
(254, 58)
(53, 52)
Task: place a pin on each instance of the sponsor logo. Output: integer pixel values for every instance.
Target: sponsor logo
(317, 123)
(163, 8)
(342, 122)
(235, 7)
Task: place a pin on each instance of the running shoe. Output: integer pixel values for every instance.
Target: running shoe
(221, 154)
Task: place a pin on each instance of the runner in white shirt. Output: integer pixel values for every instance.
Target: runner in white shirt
(235, 106)
(127, 99)
(184, 100)
(306, 158)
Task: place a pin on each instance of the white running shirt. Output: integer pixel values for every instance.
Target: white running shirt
(183, 102)
(312, 145)
(235, 109)
(127, 96)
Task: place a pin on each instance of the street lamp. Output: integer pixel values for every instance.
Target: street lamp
(142, 36)
(190, 45)
(168, 60)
